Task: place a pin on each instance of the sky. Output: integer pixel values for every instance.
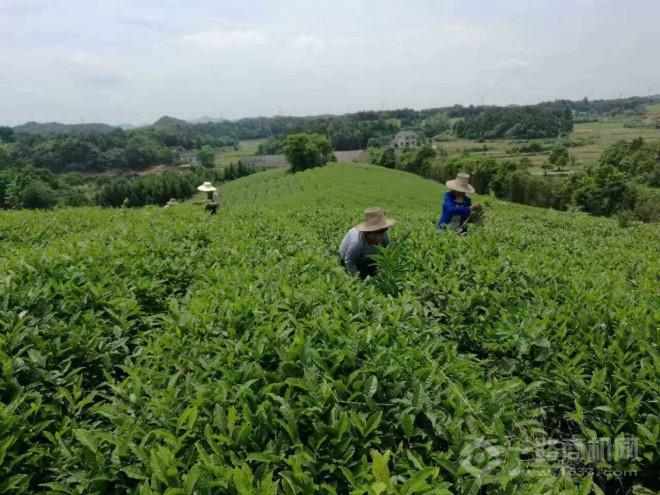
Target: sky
(132, 61)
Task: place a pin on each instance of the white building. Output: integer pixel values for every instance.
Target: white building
(404, 139)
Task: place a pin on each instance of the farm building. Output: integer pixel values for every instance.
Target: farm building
(404, 139)
(188, 159)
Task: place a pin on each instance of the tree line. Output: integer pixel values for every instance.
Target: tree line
(159, 188)
(98, 147)
(376, 129)
(35, 188)
(98, 152)
(516, 123)
(30, 160)
(624, 181)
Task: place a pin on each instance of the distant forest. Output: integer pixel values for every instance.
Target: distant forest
(99, 147)
(33, 156)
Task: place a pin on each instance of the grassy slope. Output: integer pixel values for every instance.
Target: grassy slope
(538, 323)
(654, 109)
(598, 136)
(603, 134)
(246, 148)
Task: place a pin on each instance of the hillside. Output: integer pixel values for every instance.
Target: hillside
(49, 128)
(147, 349)
(207, 120)
(166, 121)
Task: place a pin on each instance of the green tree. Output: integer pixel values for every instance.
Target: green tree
(206, 157)
(418, 160)
(387, 158)
(603, 190)
(566, 123)
(271, 147)
(74, 197)
(11, 193)
(4, 156)
(638, 159)
(647, 205)
(6, 134)
(305, 151)
(436, 124)
(559, 156)
(38, 194)
(6, 178)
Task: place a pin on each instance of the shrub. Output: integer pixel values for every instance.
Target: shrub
(647, 206)
(206, 157)
(38, 194)
(559, 156)
(603, 190)
(625, 218)
(418, 160)
(273, 146)
(304, 151)
(74, 197)
(387, 158)
(637, 159)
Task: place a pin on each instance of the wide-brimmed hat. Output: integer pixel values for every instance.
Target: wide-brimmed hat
(461, 183)
(206, 187)
(374, 220)
(172, 202)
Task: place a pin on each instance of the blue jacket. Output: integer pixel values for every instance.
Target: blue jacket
(450, 208)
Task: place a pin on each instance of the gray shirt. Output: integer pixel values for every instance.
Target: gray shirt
(354, 249)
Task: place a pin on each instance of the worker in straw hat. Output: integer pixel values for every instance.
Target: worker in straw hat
(457, 206)
(363, 240)
(212, 201)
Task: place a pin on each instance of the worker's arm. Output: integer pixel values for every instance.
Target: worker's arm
(349, 251)
(352, 250)
(351, 259)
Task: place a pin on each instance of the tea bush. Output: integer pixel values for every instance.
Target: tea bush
(165, 351)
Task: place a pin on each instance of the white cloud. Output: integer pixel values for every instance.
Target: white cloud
(307, 41)
(222, 39)
(512, 63)
(82, 58)
(135, 60)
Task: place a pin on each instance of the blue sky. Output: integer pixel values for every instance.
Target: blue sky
(123, 61)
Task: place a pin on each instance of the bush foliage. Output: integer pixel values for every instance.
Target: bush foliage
(305, 151)
(156, 351)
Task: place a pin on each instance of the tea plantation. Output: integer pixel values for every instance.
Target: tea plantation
(165, 351)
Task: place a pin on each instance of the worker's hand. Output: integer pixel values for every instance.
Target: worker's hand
(476, 207)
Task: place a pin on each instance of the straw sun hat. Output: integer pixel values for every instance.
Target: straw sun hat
(206, 187)
(461, 183)
(374, 220)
